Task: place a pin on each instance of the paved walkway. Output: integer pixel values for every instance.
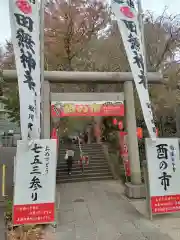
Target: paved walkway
(2, 230)
(167, 223)
(99, 211)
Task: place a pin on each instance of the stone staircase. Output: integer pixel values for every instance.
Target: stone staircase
(98, 168)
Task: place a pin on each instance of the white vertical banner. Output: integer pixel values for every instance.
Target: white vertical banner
(24, 19)
(127, 19)
(35, 182)
(164, 174)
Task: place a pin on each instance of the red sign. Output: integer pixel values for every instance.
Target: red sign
(33, 213)
(165, 204)
(127, 168)
(74, 110)
(124, 153)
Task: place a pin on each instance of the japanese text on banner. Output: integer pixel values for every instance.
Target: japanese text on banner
(163, 171)
(24, 18)
(35, 182)
(127, 20)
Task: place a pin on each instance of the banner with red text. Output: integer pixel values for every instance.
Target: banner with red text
(98, 108)
(164, 174)
(35, 182)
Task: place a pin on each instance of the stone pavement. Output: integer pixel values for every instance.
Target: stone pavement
(167, 223)
(99, 211)
(2, 229)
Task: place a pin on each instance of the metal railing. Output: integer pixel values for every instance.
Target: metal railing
(80, 148)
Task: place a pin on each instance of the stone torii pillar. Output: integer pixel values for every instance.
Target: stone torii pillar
(135, 188)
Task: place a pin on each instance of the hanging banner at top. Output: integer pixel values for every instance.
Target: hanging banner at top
(127, 19)
(88, 108)
(24, 19)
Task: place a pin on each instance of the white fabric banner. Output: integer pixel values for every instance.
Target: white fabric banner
(163, 166)
(127, 19)
(164, 174)
(35, 181)
(24, 18)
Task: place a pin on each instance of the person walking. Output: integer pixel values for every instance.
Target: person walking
(86, 137)
(69, 156)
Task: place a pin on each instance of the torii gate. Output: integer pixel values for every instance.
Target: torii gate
(135, 188)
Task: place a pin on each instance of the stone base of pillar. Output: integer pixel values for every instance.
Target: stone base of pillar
(135, 191)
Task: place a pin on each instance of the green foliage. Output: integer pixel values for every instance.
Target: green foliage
(110, 131)
(8, 210)
(10, 100)
(76, 44)
(73, 125)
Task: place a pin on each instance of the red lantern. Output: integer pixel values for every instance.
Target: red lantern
(157, 132)
(115, 121)
(54, 134)
(139, 133)
(120, 125)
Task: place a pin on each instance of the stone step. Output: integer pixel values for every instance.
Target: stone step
(85, 174)
(91, 162)
(78, 171)
(90, 167)
(84, 179)
(98, 168)
(82, 147)
(92, 155)
(85, 152)
(62, 154)
(91, 158)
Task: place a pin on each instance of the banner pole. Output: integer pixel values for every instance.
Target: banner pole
(141, 27)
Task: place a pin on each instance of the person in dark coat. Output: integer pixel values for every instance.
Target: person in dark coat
(69, 156)
(86, 137)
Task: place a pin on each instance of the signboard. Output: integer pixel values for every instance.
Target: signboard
(127, 19)
(24, 19)
(35, 182)
(88, 108)
(164, 174)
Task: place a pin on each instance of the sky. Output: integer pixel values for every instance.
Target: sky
(156, 6)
